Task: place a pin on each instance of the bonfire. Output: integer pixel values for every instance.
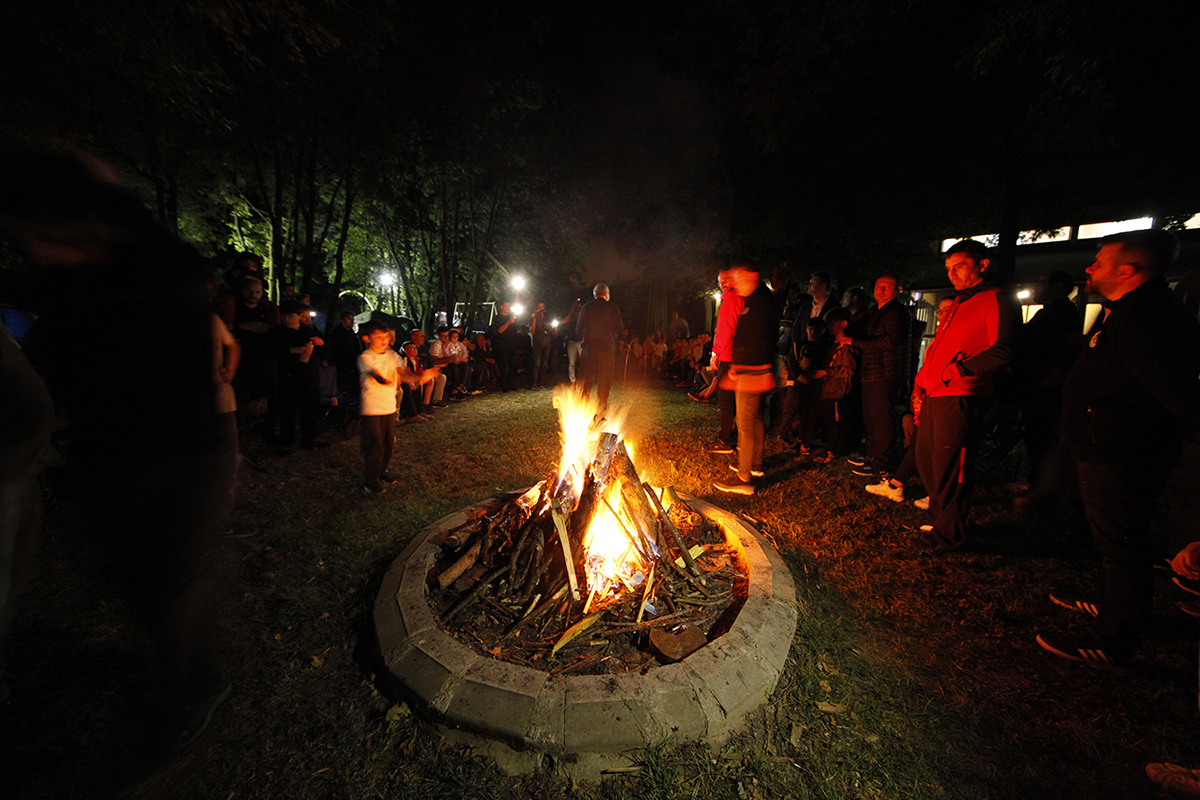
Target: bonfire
(591, 549)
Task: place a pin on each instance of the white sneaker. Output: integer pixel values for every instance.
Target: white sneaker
(885, 489)
(922, 503)
(757, 473)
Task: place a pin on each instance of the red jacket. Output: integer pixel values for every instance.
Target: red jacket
(727, 317)
(971, 344)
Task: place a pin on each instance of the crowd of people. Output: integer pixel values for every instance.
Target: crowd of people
(1114, 411)
(1111, 415)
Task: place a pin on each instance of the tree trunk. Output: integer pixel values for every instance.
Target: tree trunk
(339, 263)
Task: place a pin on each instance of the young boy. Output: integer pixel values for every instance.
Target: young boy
(835, 385)
(379, 368)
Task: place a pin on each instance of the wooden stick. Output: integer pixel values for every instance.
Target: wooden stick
(687, 557)
(459, 567)
(625, 530)
(568, 558)
(646, 593)
(470, 596)
(538, 611)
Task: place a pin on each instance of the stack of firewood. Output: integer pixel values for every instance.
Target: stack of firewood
(517, 574)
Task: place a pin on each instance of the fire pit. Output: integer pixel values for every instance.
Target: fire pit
(537, 555)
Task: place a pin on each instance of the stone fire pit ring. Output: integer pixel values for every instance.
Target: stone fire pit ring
(525, 714)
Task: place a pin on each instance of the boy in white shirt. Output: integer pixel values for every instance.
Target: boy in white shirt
(379, 373)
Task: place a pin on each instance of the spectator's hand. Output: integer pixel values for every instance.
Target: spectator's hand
(1187, 561)
(841, 338)
(226, 374)
(819, 374)
(918, 397)
(317, 340)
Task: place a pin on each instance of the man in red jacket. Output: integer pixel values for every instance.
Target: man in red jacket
(953, 390)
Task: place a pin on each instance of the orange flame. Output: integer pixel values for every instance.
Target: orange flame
(610, 559)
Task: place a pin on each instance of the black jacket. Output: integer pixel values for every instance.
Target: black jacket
(1135, 386)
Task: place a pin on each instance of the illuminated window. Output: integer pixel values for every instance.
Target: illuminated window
(987, 239)
(1096, 230)
(1034, 237)
(1193, 222)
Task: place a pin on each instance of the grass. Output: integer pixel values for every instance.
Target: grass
(931, 660)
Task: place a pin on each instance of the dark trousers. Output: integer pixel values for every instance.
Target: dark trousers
(456, 376)
(599, 364)
(947, 442)
(539, 361)
(726, 405)
(162, 515)
(506, 363)
(833, 412)
(298, 392)
(879, 417)
(1119, 503)
(376, 437)
(413, 401)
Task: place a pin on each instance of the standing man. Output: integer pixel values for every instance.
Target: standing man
(504, 333)
(574, 343)
(752, 373)
(722, 356)
(677, 327)
(540, 333)
(598, 327)
(953, 390)
(1127, 403)
(815, 307)
(881, 348)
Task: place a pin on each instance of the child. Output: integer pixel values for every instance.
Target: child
(379, 369)
(803, 401)
(835, 384)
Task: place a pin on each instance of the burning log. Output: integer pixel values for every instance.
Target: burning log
(666, 520)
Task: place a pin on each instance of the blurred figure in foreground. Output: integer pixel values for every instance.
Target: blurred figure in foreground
(157, 460)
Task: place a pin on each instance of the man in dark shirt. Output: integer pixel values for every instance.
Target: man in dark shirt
(752, 371)
(598, 327)
(882, 346)
(344, 349)
(504, 333)
(1126, 405)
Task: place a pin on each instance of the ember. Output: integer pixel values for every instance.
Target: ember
(590, 550)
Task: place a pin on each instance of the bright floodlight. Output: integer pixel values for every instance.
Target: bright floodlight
(386, 279)
(518, 282)
(518, 309)
(1024, 293)
(553, 323)
(717, 296)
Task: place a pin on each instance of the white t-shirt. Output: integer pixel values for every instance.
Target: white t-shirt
(378, 400)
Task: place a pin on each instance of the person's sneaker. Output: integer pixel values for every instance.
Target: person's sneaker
(1075, 604)
(922, 503)
(1175, 778)
(198, 716)
(387, 477)
(856, 460)
(721, 448)
(824, 458)
(885, 489)
(1079, 648)
(926, 529)
(757, 473)
(868, 471)
(374, 487)
(735, 486)
(696, 397)
(439, 404)
(1187, 584)
(422, 418)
